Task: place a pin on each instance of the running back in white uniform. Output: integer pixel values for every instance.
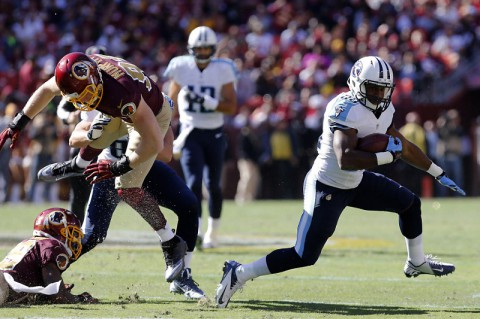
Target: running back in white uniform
(210, 81)
(345, 111)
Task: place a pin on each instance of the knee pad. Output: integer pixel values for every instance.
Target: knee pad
(414, 208)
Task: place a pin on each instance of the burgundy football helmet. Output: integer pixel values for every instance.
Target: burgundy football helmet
(63, 225)
(80, 80)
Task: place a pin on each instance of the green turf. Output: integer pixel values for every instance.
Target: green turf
(358, 275)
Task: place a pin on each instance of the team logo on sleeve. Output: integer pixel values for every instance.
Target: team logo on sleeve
(338, 110)
(128, 109)
(62, 261)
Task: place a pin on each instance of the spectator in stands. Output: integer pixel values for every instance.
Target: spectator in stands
(451, 146)
(413, 131)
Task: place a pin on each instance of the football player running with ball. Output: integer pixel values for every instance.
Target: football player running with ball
(203, 89)
(338, 178)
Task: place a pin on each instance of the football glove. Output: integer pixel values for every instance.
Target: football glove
(208, 102)
(13, 130)
(96, 128)
(394, 146)
(102, 170)
(447, 182)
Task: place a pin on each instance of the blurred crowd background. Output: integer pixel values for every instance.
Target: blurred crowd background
(292, 57)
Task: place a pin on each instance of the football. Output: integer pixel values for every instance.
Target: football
(373, 143)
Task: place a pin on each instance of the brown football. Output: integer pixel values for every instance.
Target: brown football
(373, 143)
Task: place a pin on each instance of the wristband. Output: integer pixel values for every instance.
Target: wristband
(19, 121)
(121, 167)
(384, 158)
(435, 170)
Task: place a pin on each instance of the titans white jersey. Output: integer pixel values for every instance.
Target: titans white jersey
(117, 149)
(342, 112)
(210, 81)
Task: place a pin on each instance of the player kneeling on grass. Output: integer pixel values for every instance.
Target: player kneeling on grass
(339, 178)
(32, 271)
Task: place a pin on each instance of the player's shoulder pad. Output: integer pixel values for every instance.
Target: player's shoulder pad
(177, 63)
(343, 107)
(227, 63)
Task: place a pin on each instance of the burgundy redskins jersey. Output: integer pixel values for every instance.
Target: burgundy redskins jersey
(123, 86)
(26, 260)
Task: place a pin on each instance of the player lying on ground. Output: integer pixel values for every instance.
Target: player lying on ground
(32, 271)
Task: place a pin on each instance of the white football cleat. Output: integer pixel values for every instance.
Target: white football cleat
(185, 285)
(431, 266)
(228, 285)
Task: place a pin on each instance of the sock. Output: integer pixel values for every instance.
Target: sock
(415, 250)
(200, 226)
(213, 225)
(188, 259)
(165, 234)
(86, 155)
(253, 270)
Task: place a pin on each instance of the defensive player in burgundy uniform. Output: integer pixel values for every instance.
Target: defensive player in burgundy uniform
(168, 189)
(338, 179)
(203, 88)
(35, 265)
(119, 89)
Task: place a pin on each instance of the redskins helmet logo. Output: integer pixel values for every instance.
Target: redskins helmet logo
(357, 69)
(56, 218)
(128, 109)
(62, 261)
(81, 70)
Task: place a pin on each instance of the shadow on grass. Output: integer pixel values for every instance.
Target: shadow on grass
(339, 309)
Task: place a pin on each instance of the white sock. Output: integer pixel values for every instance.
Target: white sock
(200, 226)
(165, 234)
(188, 259)
(253, 270)
(212, 230)
(81, 162)
(415, 250)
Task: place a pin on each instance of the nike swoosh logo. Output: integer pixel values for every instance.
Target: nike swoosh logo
(438, 269)
(228, 283)
(220, 300)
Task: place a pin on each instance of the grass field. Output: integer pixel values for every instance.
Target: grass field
(360, 273)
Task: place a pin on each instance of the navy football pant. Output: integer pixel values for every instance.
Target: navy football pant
(169, 191)
(202, 160)
(323, 206)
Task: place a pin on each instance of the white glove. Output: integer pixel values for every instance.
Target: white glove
(96, 128)
(209, 102)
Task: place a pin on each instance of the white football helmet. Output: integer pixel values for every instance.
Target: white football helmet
(375, 71)
(202, 37)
